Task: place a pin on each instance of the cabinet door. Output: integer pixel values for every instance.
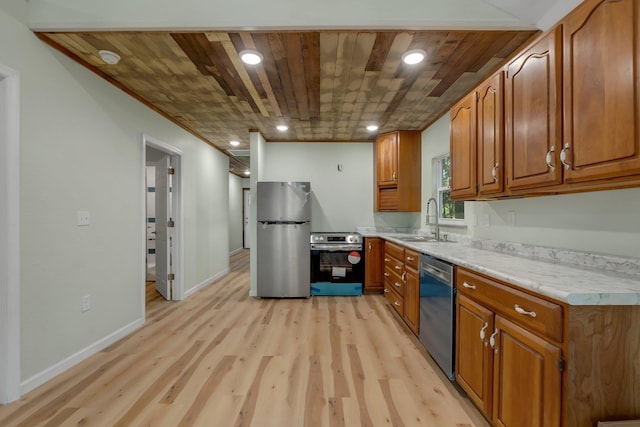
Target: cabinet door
(533, 115)
(491, 135)
(463, 148)
(412, 300)
(387, 159)
(373, 278)
(474, 357)
(527, 379)
(601, 94)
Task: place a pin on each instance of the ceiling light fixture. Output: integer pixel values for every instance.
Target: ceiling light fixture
(234, 143)
(109, 57)
(250, 56)
(414, 56)
(282, 128)
(247, 172)
(372, 128)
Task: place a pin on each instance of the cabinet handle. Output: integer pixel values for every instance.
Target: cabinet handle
(482, 334)
(563, 156)
(468, 286)
(369, 246)
(386, 274)
(410, 258)
(549, 158)
(386, 259)
(404, 276)
(494, 173)
(521, 310)
(397, 284)
(492, 340)
(394, 176)
(396, 303)
(397, 267)
(386, 291)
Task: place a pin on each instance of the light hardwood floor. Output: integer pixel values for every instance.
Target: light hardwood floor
(222, 358)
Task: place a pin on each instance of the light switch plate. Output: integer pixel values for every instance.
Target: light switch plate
(83, 218)
(86, 303)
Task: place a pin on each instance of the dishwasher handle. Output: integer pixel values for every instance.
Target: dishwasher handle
(431, 270)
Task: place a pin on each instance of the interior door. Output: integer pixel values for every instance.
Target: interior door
(247, 205)
(163, 214)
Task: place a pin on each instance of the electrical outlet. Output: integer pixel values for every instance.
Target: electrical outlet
(86, 303)
(83, 218)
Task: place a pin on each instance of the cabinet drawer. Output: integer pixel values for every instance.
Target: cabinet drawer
(393, 280)
(534, 313)
(411, 259)
(393, 250)
(396, 300)
(393, 264)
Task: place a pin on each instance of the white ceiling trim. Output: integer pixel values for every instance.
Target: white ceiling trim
(269, 14)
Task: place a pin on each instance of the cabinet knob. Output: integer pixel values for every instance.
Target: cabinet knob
(549, 158)
(563, 156)
(494, 173)
(521, 310)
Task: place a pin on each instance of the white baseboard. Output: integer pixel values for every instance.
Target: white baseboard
(49, 373)
(253, 292)
(206, 282)
(232, 253)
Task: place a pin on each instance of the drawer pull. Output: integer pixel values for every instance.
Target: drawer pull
(563, 156)
(468, 286)
(397, 284)
(397, 267)
(386, 274)
(482, 334)
(494, 173)
(523, 311)
(386, 291)
(386, 259)
(549, 158)
(410, 258)
(396, 303)
(404, 276)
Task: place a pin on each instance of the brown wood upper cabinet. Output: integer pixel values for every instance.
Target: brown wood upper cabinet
(533, 98)
(601, 93)
(477, 141)
(398, 171)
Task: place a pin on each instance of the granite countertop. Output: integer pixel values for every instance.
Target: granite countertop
(573, 284)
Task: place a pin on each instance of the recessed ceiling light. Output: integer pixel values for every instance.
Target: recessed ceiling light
(250, 56)
(234, 143)
(109, 57)
(413, 56)
(372, 128)
(282, 128)
(247, 172)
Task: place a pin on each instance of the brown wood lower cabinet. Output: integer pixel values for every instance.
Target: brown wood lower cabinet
(527, 361)
(374, 265)
(402, 283)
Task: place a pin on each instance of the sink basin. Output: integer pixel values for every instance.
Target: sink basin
(418, 238)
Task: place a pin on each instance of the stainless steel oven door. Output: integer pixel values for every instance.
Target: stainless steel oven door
(335, 265)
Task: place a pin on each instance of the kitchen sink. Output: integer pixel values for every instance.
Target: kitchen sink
(418, 238)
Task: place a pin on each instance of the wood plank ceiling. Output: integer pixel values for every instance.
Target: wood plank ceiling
(324, 85)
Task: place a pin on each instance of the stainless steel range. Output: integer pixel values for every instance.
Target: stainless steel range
(337, 264)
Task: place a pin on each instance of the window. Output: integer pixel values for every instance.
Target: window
(449, 209)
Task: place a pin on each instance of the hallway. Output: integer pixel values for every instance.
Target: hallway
(222, 358)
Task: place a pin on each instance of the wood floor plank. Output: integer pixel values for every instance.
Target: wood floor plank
(222, 358)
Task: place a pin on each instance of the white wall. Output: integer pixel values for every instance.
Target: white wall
(342, 200)
(236, 220)
(81, 150)
(258, 170)
(602, 222)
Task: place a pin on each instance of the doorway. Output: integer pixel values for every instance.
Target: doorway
(9, 235)
(163, 260)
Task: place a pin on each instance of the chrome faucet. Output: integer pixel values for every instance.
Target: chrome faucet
(437, 231)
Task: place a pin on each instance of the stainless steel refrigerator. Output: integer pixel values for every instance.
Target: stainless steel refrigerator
(284, 227)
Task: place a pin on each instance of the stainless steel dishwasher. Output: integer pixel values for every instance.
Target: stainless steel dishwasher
(437, 311)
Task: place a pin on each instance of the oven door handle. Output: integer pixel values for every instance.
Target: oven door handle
(335, 248)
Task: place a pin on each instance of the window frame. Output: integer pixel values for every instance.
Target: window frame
(439, 189)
